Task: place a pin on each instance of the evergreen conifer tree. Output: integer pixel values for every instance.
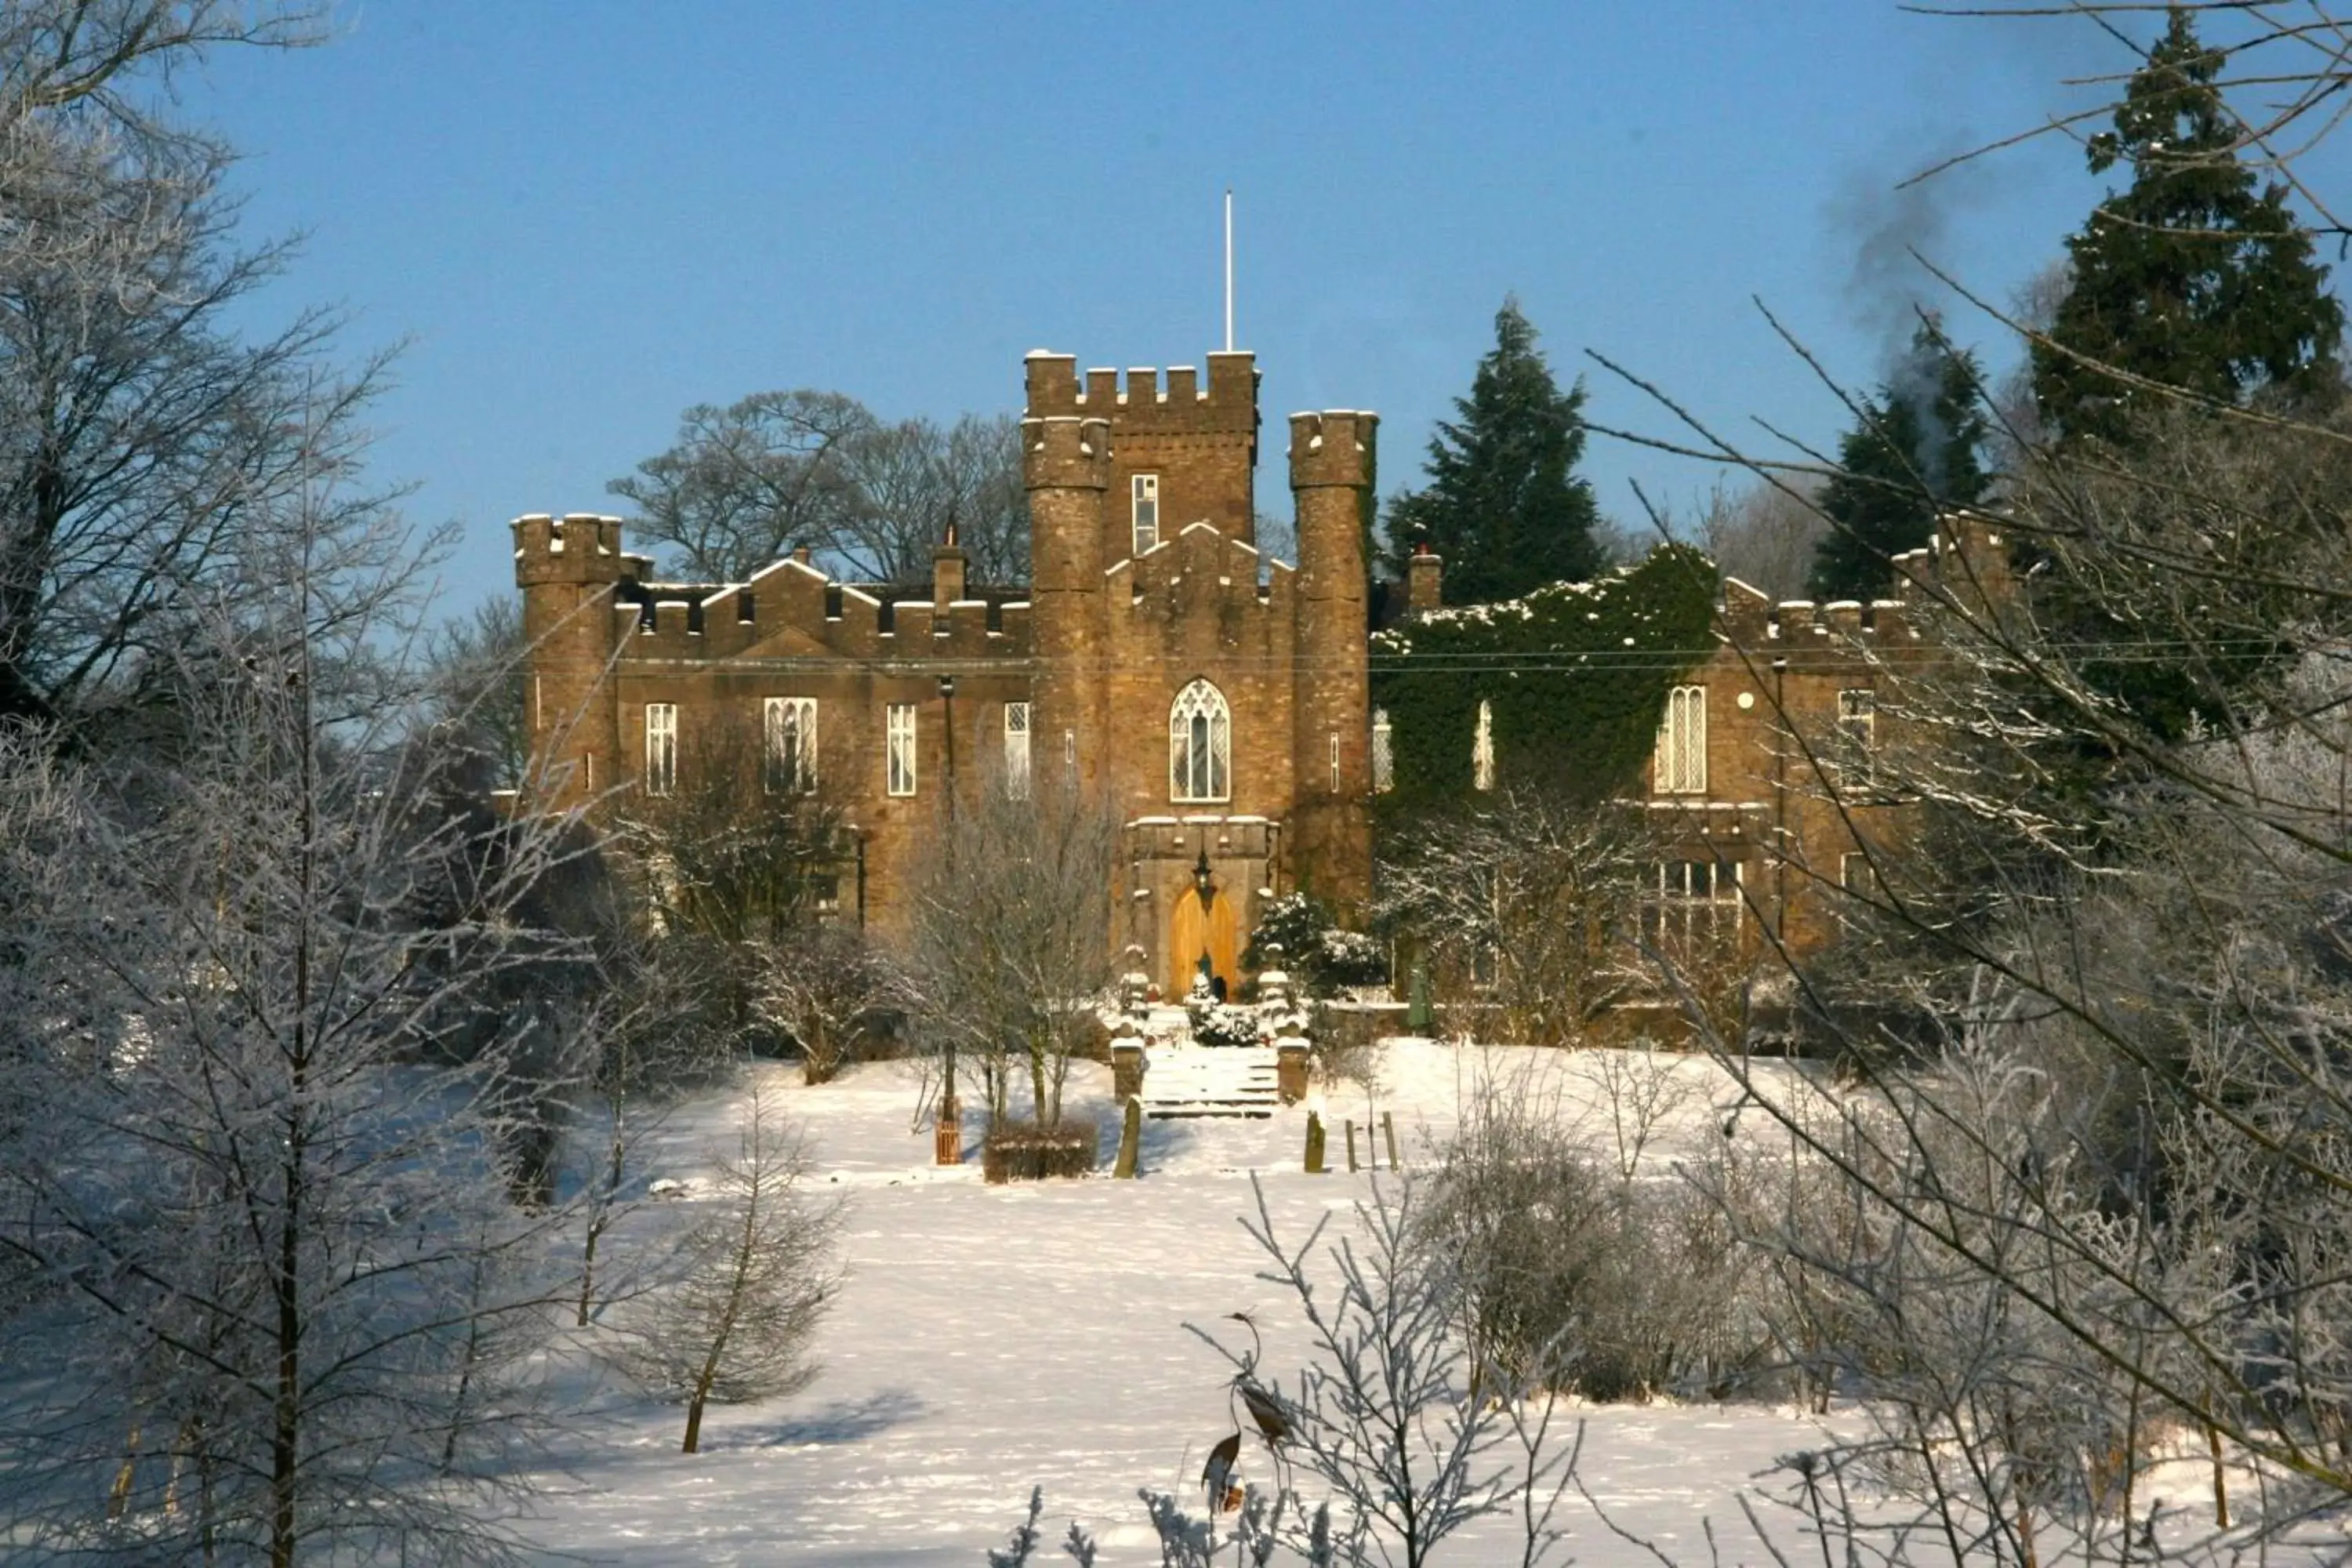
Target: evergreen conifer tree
(1915, 454)
(2192, 276)
(1504, 506)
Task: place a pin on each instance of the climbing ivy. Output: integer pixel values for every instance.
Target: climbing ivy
(1576, 674)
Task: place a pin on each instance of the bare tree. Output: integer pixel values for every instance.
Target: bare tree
(913, 479)
(1390, 1414)
(825, 986)
(1764, 532)
(1538, 890)
(478, 662)
(758, 1277)
(726, 868)
(257, 1170)
(147, 445)
(782, 470)
(1008, 949)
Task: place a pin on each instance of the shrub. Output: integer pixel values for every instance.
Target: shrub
(1227, 1024)
(1316, 953)
(1024, 1151)
(1578, 1279)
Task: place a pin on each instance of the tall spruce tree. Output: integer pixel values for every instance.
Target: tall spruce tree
(1504, 506)
(2192, 277)
(1915, 453)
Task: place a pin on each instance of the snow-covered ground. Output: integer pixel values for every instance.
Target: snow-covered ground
(993, 1339)
(990, 1339)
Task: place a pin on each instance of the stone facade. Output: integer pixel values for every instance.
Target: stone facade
(1149, 600)
(1793, 718)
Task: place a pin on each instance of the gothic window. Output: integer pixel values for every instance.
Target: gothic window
(1680, 765)
(1481, 748)
(1200, 745)
(1383, 754)
(661, 747)
(1016, 750)
(790, 724)
(1144, 493)
(900, 758)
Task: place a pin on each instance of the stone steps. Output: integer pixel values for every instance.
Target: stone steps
(1191, 1081)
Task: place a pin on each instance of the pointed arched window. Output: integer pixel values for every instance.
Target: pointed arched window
(1200, 745)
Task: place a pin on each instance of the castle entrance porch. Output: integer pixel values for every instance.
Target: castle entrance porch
(1194, 886)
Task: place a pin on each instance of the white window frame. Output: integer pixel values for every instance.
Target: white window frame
(1482, 748)
(789, 727)
(1383, 753)
(898, 749)
(1679, 765)
(1143, 510)
(1200, 746)
(1016, 750)
(1692, 900)
(661, 748)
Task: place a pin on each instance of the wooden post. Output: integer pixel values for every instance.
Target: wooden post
(1313, 1144)
(1131, 1139)
(946, 1144)
(1388, 1127)
(2221, 1481)
(1351, 1146)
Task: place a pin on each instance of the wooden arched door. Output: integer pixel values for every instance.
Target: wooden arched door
(1193, 929)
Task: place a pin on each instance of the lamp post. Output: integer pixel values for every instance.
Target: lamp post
(947, 1141)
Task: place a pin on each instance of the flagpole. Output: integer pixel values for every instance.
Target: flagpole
(1229, 269)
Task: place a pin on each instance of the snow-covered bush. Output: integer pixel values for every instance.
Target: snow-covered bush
(1576, 1277)
(1318, 955)
(1227, 1024)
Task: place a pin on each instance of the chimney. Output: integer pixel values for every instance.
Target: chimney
(947, 575)
(1423, 576)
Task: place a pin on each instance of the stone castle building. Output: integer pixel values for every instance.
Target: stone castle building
(1781, 758)
(1217, 698)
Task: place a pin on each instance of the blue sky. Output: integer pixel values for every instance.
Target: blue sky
(582, 216)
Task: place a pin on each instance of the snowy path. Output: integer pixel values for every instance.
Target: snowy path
(990, 1339)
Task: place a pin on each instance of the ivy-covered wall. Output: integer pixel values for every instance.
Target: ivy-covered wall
(1576, 674)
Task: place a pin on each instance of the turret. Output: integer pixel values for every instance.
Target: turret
(1186, 451)
(566, 568)
(1066, 465)
(1333, 467)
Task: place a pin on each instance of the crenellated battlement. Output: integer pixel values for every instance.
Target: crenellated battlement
(579, 547)
(1337, 446)
(1066, 452)
(1141, 405)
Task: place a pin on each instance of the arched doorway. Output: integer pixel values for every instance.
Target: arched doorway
(1194, 928)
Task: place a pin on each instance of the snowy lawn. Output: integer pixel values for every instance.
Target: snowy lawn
(995, 1338)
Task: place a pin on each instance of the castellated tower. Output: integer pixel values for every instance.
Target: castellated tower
(566, 568)
(1333, 461)
(1066, 464)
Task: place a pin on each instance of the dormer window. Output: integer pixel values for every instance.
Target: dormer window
(1144, 492)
